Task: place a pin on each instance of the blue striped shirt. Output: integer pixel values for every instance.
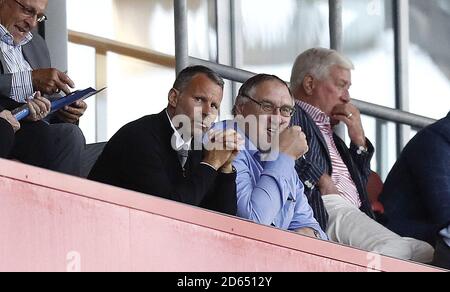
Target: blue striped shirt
(22, 83)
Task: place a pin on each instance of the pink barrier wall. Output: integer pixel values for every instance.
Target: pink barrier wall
(53, 222)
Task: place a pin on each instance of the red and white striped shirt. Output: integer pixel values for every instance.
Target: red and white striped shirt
(340, 174)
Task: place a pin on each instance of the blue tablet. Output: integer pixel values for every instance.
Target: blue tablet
(23, 111)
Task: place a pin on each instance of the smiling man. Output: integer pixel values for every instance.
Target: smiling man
(268, 188)
(25, 63)
(336, 176)
(25, 71)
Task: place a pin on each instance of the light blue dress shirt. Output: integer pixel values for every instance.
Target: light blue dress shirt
(270, 192)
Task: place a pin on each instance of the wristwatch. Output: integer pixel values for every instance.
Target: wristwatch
(317, 234)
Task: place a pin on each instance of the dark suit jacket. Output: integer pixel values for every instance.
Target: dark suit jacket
(6, 137)
(416, 194)
(140, 158)
(318, 162)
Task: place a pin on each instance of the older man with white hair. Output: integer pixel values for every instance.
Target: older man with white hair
(334, 175)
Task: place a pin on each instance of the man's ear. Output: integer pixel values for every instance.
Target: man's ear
(173, 97)
(239, 109)
(308, 84)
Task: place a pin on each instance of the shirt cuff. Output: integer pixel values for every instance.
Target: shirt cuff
(309, 173)
(361, 150)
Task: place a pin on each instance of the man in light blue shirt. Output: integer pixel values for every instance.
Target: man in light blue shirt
(269, 191)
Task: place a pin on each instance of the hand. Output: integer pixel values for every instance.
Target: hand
(228, 166)
(51, 81)
(327, 186)
(39, 108)
(293, 142)
(306, 232)
(351, 116)
(222, 148)
(72, 114)
(6, 115)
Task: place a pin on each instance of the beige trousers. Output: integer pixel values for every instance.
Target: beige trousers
(348, 225)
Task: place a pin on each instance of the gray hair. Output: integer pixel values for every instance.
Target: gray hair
(317, 62)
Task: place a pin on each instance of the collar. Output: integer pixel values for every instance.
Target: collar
(8, 39)
(180, 143)
(318, 116)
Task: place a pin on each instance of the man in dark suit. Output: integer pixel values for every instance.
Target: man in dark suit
(334, 175)
(416, 194)
(25, 69)
(162, 155)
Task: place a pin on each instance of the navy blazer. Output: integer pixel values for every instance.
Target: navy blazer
(416, 194)
(318, 162)
(6, 138)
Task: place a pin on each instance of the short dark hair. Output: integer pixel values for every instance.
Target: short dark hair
(256, 80)
(186, 76)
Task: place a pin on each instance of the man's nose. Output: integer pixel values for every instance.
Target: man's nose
(31, 21)
(346, 97)
(276, 119)
(207, 110)
(277, 112)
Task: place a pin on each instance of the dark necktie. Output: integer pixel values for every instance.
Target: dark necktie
(183, 155)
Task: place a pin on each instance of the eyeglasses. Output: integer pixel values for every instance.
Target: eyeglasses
(285, 111)
(31, 12)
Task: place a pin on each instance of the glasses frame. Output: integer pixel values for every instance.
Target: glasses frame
(31, 12)
(265, 107)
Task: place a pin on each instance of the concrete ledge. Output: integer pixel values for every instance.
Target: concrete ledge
(54, 222)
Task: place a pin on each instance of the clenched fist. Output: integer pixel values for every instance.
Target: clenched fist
(293, 142)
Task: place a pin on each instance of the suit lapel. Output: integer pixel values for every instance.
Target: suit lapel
(30, 56)
(194, 158)
(317, 131)
(166, 131)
